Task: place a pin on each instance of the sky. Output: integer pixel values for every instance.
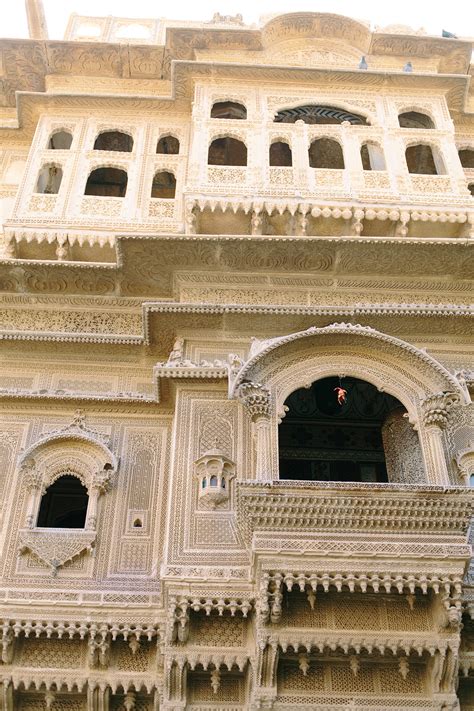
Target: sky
(456, 16)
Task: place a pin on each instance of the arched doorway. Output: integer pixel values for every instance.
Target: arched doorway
(321, 439)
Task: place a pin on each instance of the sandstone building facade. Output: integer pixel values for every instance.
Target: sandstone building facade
(236, 443)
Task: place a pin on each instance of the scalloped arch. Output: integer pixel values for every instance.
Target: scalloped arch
(423, 375)
(101, 450)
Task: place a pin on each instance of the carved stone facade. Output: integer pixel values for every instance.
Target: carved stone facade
(161, 304)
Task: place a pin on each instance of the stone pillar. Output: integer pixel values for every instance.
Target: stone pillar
(354, 177)
(303, 174)
(452, 165)
(257, 401)
(99, 485)
(32, 480)
(435, 418)
(37, 27)
(98, 696)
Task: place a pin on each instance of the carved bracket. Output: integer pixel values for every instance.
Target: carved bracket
(55, 548)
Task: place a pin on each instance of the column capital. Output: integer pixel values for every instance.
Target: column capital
(256, 398)
(32, 478)
(436, 408)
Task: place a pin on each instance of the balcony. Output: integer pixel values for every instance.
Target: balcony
(295, 508)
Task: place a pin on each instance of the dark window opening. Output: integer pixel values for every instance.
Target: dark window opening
(280, 154)
(114, 141)
(321, 440)
(415, 119)
(61, 140)
(466, 156)
(228, 110)
(168, 145)
(319, 115)
(49, 179)
(64, 505)
(470, 187)
(227, 151)
(372, 157)
(107, 182)
(420, 160)
(163, 186)
(326, 153)
(137, 523)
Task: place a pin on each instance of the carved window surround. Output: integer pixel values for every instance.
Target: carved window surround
(76, 450)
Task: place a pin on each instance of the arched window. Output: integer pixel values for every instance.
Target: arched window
(372, 157)
(421, 160)
(280, 154)
(470, 187)
(114, 141)
(415, 119)
(64, 504)
(471, 481)
(314, 114)
(49, 179)
(107, 182)
(60, 140)
(164, 185)
(137, 523)
(227, 151)
(323, 440)
(466, 156)
(326, 153)
(228, 110)
(168, 145)
(213, 481)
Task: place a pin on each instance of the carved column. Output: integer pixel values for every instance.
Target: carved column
(435, 418)
(352, 160)
(257, 400)
(33, 482)
(303, 174)
(99, 485)
(6, 694)
(98, 696)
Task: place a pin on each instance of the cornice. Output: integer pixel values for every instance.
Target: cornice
(146, 264)
(162, 320)
(184, 73)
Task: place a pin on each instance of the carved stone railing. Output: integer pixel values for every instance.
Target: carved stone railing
(370, 508)
(101, 206)
(431, 183)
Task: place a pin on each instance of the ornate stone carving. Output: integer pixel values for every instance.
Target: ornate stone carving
(54, 547)
(214, 472)
(256, 399)
(436, 408)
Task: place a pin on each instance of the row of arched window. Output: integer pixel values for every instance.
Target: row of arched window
(118, 141)
(106, 182)
(328, 153)
(323, 152)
